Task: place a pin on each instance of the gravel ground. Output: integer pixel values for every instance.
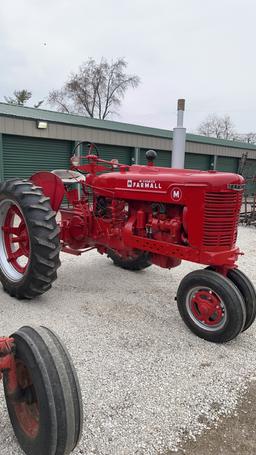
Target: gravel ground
(147, 382)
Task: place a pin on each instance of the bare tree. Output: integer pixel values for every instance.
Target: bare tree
(219, 127)
(228, 128)
(20, 97)
(96, 90)
(250, 138)
(59, 99)
(223, 128)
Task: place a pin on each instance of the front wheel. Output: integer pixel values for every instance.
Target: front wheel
(211, 306)
(248, 292)
(46, 408)
(247, 289)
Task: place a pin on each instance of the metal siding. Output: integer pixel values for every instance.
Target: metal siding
(163, 158)
(196, 161)
(227, 164)
(78, 120)
(76, 133)
(211, 149)
(1, 158)
(22, 156)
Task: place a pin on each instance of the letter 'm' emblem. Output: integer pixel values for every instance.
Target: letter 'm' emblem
(176, 194)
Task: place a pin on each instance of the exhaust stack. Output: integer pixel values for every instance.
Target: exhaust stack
(179, 138)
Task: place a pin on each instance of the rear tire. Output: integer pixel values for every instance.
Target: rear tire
(211, 306)
(29, 240)
(44, 411)
(139, 262)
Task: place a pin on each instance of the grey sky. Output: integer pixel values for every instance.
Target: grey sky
(203, 50)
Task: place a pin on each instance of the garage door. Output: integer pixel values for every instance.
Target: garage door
(163, 158)
(227, 164)
(111, 152)
(197, 161)
(22, 156)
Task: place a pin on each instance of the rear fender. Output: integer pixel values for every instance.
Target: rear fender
(52, 187)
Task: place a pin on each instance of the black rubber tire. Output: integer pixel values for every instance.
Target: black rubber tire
(142, 261)
(246, 288)
(53, 387)
(44, 239)
(248, 292)
(229, 294)
(74, 383)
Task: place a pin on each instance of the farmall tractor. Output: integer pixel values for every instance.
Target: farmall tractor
(138, 216)
(42, 391)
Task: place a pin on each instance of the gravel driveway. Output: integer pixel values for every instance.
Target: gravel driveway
(146, 380)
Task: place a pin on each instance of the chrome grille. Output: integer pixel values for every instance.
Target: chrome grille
(221, 216)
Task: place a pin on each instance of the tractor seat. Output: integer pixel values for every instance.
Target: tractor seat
(69, 177)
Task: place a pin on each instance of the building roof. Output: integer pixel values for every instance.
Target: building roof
(25, 112)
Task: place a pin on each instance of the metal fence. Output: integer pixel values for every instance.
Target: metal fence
(248, 209)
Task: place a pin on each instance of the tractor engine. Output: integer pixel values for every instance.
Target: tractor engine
(156, 221)
(173, 214)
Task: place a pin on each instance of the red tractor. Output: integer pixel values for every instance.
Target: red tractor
(42, 392)
(138, 216)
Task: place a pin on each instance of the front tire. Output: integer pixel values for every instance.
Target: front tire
(29, 240)
(45, 411)
(248, 292)
(211, 306)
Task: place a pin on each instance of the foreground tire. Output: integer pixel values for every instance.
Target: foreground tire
(29, 240)
(246, 288)
(248, 292)
(74, 383)
(46, 411)
(211, 306)
(139, 261)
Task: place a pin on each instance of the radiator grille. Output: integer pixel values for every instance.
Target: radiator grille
(221, 216)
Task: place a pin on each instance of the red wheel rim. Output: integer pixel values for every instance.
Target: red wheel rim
(27, 411)
(16, 239)
(206, 308)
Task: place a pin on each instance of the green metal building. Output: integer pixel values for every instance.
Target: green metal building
(26, 148)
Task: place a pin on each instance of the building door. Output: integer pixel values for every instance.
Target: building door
(22, 156)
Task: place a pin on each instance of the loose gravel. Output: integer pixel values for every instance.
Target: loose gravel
(147, 382)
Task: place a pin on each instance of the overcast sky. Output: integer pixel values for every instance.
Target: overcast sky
(202, 50)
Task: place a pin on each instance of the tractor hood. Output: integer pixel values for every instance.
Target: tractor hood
(162, 184)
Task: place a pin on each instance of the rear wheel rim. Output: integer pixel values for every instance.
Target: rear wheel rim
(26, 408)
(206, 309)
(14, 241)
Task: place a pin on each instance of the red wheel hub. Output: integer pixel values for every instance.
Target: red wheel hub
(16, 239)
(27, 410)
(206, 307)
